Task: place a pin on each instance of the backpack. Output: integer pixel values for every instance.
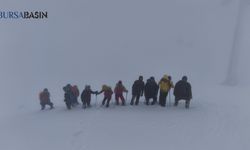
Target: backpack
(44, 97)
(75, 91)
(164, 85)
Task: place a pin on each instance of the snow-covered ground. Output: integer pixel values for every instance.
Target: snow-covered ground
(218, 119)
(100, 42)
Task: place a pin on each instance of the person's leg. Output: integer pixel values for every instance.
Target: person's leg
(117, 99)
(164, 98)
(137, 99)
(132, 100)
(84, 103)
(176, 101)
(123, 99)
(88, 103)
(72, 102)
(187, 103)
(147, 101)
(68, 104)
(108, 102)
(161, 98)
(42, 106)
(154, 100)
(104, 100)
(51, 105)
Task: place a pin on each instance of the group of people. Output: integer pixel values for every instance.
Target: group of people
(150, 89)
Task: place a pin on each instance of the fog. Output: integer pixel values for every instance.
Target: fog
(100, 42)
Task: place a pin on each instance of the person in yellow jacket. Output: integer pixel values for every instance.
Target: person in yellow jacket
(107, 94)
(165, 85)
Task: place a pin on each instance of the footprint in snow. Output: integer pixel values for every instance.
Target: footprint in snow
(78, 133)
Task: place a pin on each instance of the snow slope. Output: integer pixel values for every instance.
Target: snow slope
(210, 123)
(81, 38)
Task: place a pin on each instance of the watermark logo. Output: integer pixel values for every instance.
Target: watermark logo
(23, 15)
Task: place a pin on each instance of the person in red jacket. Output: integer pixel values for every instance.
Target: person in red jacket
(44, 98)
(119, 89)
(107, 94)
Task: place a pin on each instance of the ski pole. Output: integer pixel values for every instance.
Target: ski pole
(96, 100)
(126, 96)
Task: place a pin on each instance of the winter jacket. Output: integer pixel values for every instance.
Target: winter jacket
(107, 91)
(151, 89)
(165, 84)
(86, 95)
(44, 97)
(183, 90)
(138, 87)
(119, 89)
(67, 97)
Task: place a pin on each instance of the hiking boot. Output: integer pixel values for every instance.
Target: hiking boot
(163, 105)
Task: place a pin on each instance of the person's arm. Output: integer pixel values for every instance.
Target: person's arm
(99, 92)
(125, 90)
(133, 87)
(93, 92)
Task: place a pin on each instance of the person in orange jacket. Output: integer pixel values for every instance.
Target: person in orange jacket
(44, 98)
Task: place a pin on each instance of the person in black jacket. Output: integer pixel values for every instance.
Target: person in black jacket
(183, 91)
(151, 91)
(86, 96)
(137, 91)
